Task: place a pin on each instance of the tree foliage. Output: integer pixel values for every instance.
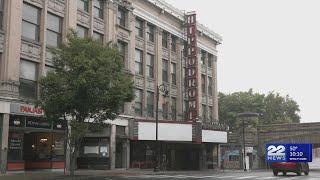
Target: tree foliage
(272, 108)
(88, 84)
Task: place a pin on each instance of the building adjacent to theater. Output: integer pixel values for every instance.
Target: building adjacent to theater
(159, 44)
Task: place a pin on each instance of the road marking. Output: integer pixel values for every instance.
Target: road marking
(267, 178)
(246, 177)
(222, 177)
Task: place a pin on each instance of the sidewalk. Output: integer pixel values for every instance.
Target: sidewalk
(90, 174)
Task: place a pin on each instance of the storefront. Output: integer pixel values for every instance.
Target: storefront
(34, 142)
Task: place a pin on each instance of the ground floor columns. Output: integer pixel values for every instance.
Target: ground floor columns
(4, 130)
(113, 147)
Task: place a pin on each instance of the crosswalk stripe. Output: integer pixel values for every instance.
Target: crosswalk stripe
(245, 177)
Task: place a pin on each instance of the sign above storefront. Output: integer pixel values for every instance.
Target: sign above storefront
(25, 109)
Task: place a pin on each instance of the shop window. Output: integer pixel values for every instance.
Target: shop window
(121, 131)
(30, 22)
(95, 147)
(233, 158)
(98, 8)
(28, 79)
(54, 30)
(15, 147)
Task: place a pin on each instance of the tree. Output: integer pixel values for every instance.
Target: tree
(273, 108)
(88, 86)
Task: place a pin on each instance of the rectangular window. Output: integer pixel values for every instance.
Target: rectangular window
(138, 62)
(138, 103)
(150, 65)
(173, 43)
(121, 17)
(185, 80)
(210, 86)
(139, 28)
(150, 33)
(174, 108)
(82, 31)
(98, 8)
(150, 104)
(185, 109)
(173, 74)
(164, 39)
(203, 57)
(28, 79)
(210, 59)
(97, 36)
(122, 46)
(203, 84)
(210, 113)
(204, 113)
(83, 5)
(165, 70)
(165, 110)
(30, 22)
(54, 30)
(1, 14)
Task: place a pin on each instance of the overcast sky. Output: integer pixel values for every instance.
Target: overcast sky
(268, 45)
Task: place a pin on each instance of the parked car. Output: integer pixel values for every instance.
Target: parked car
(284, 167)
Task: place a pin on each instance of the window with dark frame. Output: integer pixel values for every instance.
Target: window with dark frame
(203, 84)
(28, 79)
(30, 22)
(138, 62)
(138, 103)
(173, 43)
(204, 112)
(203, 57)
(98, 8)
(210, 86)
(210, 59)
(83, 5)
(165, 110)
(122, 47)
(150, 104)
(164, 39)
(165, 67)
(150, 65)
(82, 31)
(97, 36)
(150, 33)
(210, 113)
(1, 14)
(54, 30)
(174, 108)
(139, 28)
(173, 74)
(121, 17)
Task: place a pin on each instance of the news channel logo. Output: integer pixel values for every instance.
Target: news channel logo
(289, 152)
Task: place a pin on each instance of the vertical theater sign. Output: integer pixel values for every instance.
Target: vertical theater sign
(192, 75)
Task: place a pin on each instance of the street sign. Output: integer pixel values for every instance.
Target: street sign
(289, 152)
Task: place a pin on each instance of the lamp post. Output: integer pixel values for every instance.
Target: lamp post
(161, 88)
(245, 116)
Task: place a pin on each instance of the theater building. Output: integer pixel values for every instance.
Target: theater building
(160, 46)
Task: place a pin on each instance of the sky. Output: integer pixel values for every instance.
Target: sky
(268, 45)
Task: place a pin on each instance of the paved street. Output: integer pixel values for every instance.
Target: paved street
(224, 175)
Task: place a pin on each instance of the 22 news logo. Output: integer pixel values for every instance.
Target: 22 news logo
(276, 153)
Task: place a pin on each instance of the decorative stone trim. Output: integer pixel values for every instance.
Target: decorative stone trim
(83, 18)
(30, 50)
(56, 7)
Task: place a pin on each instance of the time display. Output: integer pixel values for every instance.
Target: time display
(299, 154)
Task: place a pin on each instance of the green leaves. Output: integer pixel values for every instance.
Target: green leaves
(273, 108)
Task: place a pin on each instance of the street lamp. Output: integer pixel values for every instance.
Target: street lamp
(245, 116)
(164, 89)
